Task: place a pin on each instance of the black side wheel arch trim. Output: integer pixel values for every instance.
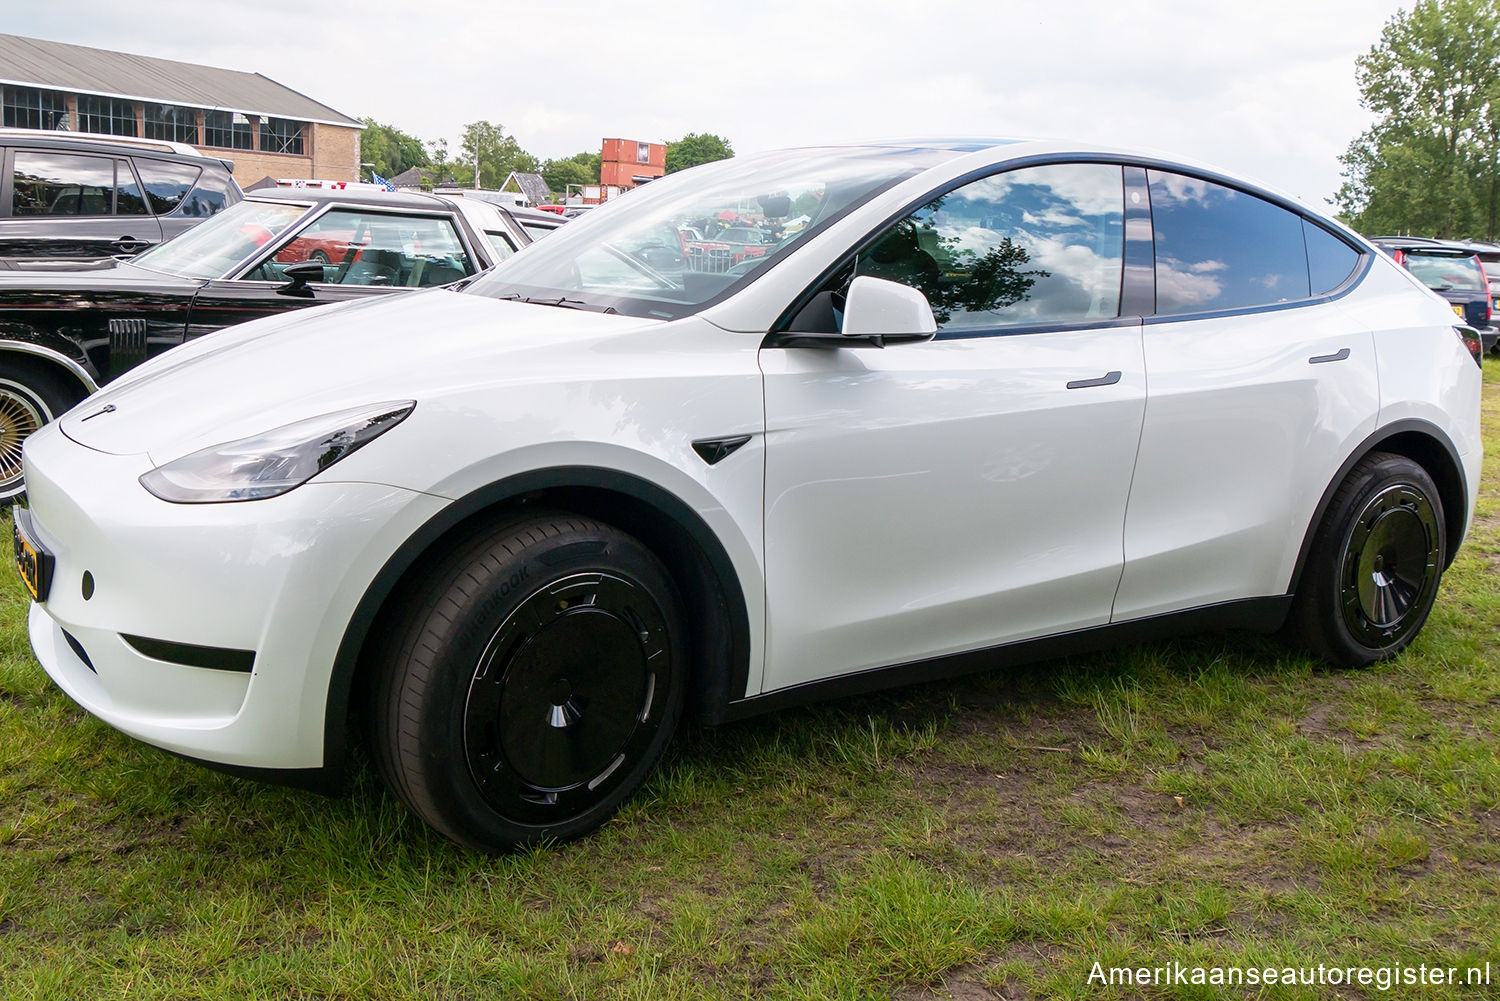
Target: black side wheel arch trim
(1427, 445)
(721, 636)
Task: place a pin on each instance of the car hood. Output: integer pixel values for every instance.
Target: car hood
(257, 376)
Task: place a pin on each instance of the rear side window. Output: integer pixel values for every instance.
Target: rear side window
(1218, 248)
(167, 184)
(63, 184)
(128, 197)
(1329, 259)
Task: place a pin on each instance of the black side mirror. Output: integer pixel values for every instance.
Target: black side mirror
(300, 275)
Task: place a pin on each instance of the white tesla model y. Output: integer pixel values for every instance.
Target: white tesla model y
(772, 429)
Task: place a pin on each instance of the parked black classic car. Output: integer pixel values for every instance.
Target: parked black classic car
(65, 333)
(75, 196)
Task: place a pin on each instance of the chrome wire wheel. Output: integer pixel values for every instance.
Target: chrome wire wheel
(22, 414)
(1391, 565)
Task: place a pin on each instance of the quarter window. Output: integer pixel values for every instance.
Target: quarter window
(1218, 248)
(1329, 259)
(167, 184)
(1038, 245)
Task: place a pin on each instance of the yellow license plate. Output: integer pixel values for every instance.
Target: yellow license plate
(1457, 308)
(32, 561)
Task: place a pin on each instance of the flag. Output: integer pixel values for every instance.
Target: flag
(377, 179)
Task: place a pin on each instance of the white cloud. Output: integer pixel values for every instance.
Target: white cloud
(1266, 90)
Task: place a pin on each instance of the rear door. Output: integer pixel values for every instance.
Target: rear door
(1260, 387)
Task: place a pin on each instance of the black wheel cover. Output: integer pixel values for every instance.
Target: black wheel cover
(1390, 566)
(567, 693)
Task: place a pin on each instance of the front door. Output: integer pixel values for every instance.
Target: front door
(947, 496)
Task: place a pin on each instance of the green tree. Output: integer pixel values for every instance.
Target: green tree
(1430, 165)
(389, 149)
(495, 153)
(580, 168)
(695, 148)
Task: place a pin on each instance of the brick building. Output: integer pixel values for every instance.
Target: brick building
(266, 129)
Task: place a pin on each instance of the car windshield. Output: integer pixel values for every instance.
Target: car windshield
(678, 244)
(211, 248)
(1444, 272)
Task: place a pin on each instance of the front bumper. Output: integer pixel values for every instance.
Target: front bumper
(278, 578)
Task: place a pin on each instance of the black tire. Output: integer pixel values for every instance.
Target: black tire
(31, 395)
(530, 682)
(318, 257)
(1373, 571)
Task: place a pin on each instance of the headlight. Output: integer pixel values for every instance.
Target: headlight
(272, 463)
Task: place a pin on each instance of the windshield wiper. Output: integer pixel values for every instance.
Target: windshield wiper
(561, 300)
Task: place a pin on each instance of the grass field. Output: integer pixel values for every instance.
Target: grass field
(1215, 802)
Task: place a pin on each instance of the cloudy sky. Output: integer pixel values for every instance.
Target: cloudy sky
(1261, 89)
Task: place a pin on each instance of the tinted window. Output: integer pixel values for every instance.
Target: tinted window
(63, 184)
(1036, 245)
(213, 193)
(166, 183)
(1329, 259)
(368, 248)
(128, 197)
(1217, 248)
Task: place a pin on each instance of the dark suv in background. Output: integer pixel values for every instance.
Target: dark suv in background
(1452, 270)
(70, 197)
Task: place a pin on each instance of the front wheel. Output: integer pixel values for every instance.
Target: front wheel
(532, 680)
(1373, 572)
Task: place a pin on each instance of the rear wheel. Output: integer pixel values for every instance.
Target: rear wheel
(1376, 561)
(532, 680)
(30, 396)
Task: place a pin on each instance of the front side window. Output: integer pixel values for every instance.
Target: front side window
(1037, 245)
(1218, 248)
(63, 184)
(375, 248)
(108, 115)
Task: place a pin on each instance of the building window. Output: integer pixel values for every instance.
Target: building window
(107, 115)
(228, 129)
(172, 122)
(280, 135)
(29, 108)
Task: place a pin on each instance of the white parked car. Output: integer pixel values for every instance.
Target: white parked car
(994, 399)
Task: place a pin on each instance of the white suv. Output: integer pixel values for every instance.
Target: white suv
(975, 402)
